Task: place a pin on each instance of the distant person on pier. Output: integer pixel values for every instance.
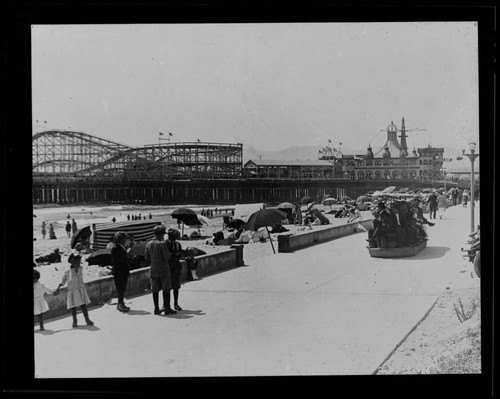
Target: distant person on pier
(128, 217)
(44, 231)
(68, 217)
(73, 226)
(114, 219)
(150, 216)
(68, 228)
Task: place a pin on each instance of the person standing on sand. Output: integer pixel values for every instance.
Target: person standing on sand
(44, 231)
(73, 226)
(157, 253)
(68, 228)
(52, 234)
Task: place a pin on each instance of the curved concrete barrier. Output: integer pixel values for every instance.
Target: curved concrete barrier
(293, 242)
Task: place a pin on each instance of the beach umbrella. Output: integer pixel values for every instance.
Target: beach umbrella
(235, 223)
(187, 216)
(346, 198)
(80, 235)
(306, 200)
(286, 205)
(100, 258)
(329, 201)
(203, 219)
(138, 249)
(265, 218)
(362, 198)
(389, 189)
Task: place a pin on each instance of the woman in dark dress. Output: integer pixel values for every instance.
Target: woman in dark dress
(121, 269)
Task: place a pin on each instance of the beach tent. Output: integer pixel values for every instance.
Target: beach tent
(139, 230)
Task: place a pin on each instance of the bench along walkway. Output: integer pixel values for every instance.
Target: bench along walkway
(328, 309)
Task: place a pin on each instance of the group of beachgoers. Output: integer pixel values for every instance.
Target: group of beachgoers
(398, 223)
(209, 213)
(163, 255)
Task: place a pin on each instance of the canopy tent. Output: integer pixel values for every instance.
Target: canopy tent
(139, 230)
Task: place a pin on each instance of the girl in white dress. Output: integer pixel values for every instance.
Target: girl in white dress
(40, 305)
(77, 293)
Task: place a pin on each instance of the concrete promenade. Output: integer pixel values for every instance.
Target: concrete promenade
(329, 309)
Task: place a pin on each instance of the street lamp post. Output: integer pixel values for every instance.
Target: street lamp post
(472, 156)
(444, 175)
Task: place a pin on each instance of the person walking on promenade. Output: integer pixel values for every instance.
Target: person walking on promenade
(77, 292)
(441, 204)
(44, 231)
(465, 198)
(175, 249)
(40, 305)
(52, 234)
(68, 228)
(121, 268)
(432, 202)
(73, 226)
(157, 253)
(460, 195)
(455, 195)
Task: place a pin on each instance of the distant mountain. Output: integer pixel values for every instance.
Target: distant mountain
(287, 154)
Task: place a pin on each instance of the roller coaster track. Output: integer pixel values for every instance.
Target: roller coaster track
(67, 154)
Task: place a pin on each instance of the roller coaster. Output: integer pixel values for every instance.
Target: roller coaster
(65, 156)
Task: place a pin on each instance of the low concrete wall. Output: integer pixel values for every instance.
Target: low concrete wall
(293, 242)
(102, 289)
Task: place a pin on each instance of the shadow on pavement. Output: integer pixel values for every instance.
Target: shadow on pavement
(133, 312)
(430, 253)
(186, 314)
(52, 332)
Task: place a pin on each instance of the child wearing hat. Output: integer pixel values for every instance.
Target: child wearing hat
(77, 293)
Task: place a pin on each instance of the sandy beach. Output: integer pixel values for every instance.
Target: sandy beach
(86, 215)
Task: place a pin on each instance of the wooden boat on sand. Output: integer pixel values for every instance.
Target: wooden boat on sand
(396, 252)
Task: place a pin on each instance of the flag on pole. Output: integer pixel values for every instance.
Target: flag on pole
(170, 134)
(160, 133)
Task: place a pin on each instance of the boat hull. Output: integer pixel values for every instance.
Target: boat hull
(396, 252)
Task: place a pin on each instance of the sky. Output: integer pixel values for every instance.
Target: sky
(266, 85)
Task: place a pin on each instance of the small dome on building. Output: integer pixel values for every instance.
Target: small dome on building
(387, 153)
(369, 152)
(392, 127)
